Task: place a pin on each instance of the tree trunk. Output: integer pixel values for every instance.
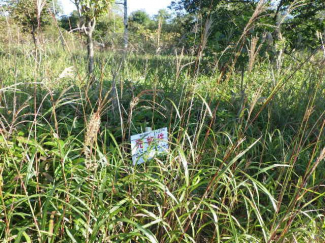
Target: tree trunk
(90, 48)
(126, 27)
(35, 36)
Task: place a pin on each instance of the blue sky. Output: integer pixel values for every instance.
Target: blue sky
(150, 6)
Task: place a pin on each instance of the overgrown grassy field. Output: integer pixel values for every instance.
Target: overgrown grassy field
(246, 158)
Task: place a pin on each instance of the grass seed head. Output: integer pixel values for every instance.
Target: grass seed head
(90, 139)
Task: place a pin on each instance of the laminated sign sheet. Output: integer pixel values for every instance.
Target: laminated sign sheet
(146, 146)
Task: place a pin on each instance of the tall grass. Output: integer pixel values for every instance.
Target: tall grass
(246, 155)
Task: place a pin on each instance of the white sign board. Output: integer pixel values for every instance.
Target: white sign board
(146, 145)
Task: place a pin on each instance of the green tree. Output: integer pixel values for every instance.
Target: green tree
(31, 15)
(89, 12)
(296, 21)
(70, 22)
(217, 24)
(306, 18)
(140, 17)
(109, 29)
(163, 15)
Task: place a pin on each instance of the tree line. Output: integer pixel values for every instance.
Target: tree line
(216, 29)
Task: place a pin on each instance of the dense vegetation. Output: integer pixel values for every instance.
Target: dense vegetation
(242, 96)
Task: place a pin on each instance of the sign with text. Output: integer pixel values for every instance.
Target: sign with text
(146, 145)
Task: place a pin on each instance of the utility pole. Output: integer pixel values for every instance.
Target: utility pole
(126, 27)
(126, 24)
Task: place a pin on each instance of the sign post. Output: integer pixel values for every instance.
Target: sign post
(146, 146)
